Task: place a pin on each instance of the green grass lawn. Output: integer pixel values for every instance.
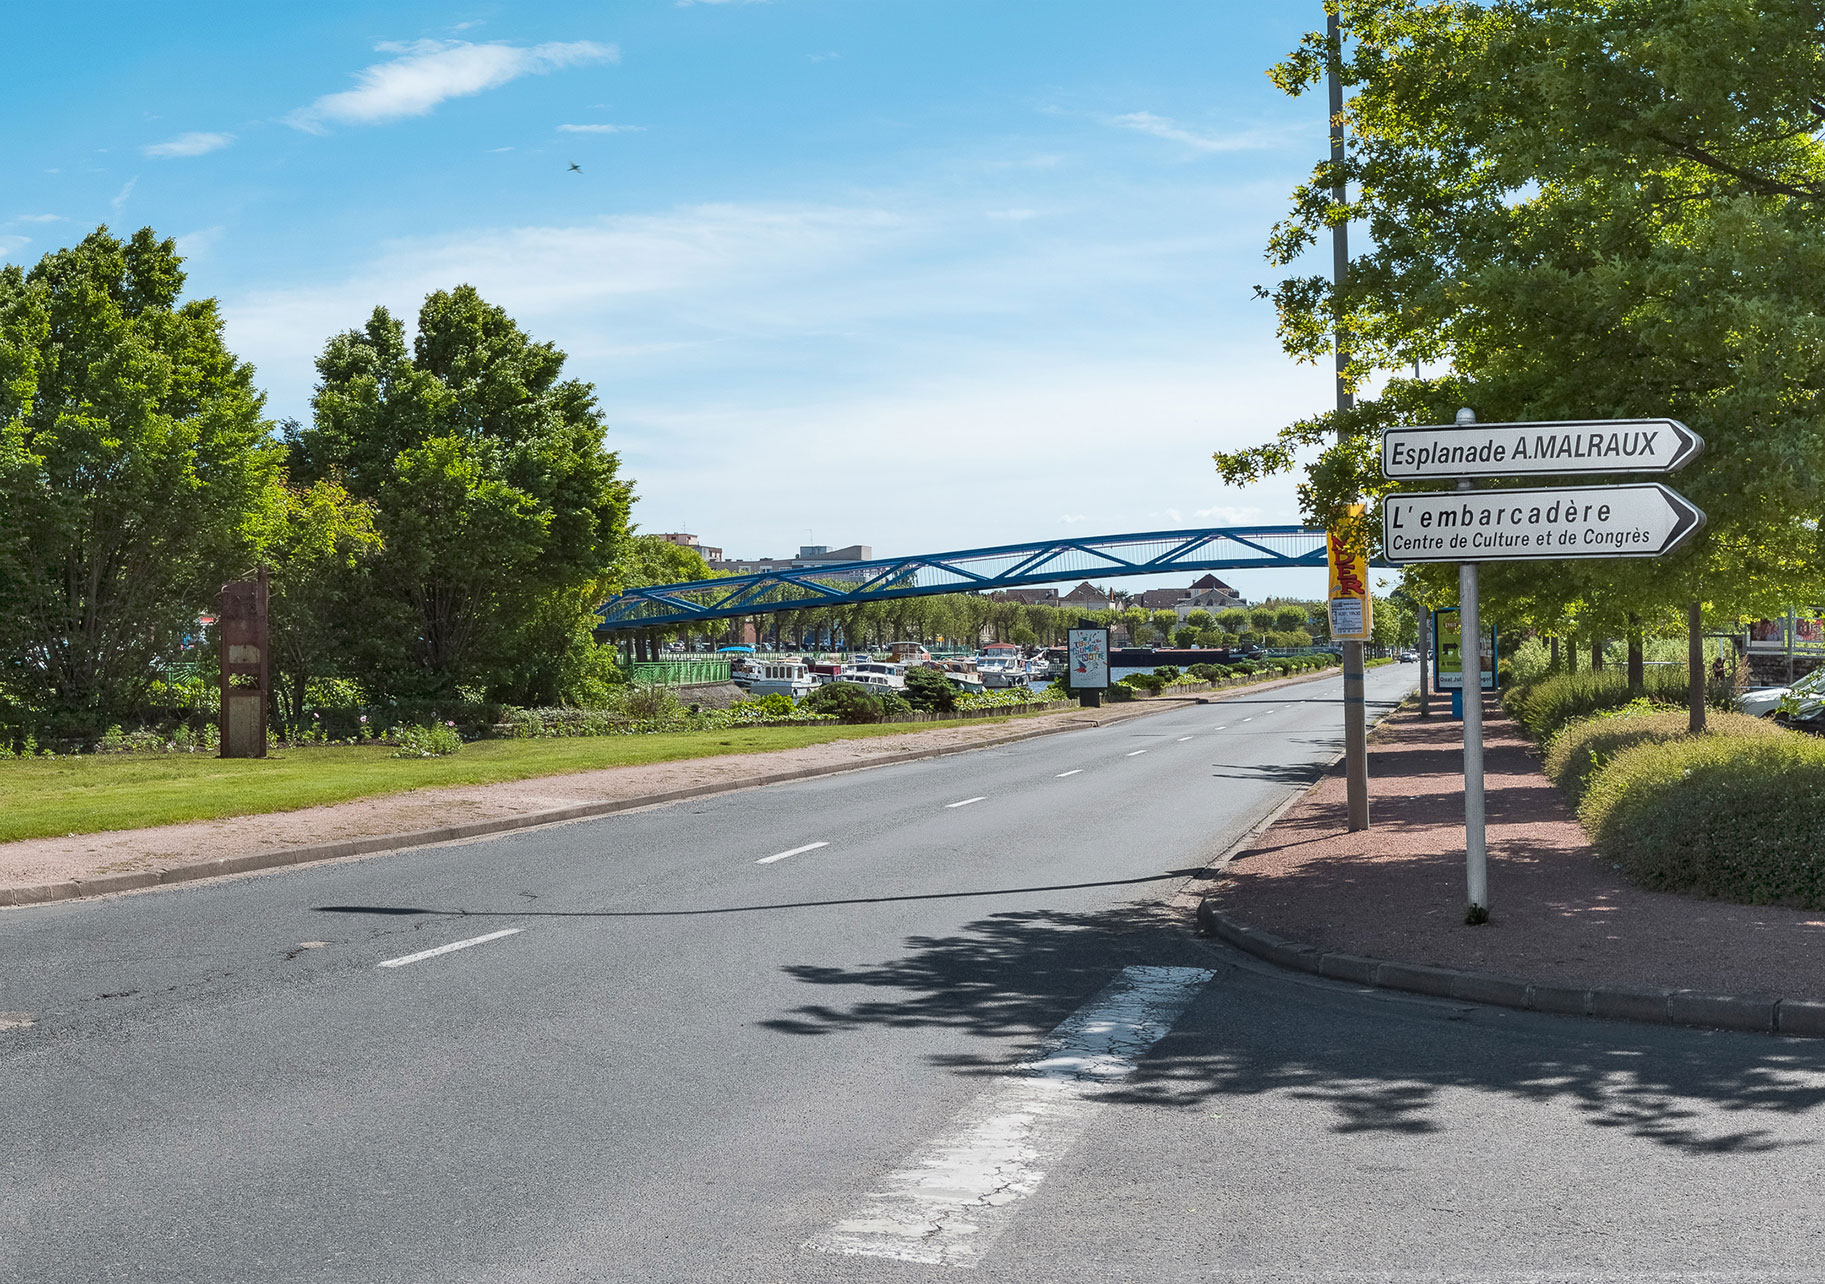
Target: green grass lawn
(41, 797)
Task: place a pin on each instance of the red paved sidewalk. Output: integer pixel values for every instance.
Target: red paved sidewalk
(1396, 891)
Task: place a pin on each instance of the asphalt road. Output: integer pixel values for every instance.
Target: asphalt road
(682, 1060)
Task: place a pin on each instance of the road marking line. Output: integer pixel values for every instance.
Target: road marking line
(951, 1200)
(1219, 728)
(1248, 719)
(796, 851)
(1183, 739)
(966, 802)
(453, 945)
(1137, 753)
(1074, 771)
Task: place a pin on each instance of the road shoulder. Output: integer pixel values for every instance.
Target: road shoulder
(39, 870)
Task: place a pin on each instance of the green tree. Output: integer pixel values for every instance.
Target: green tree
(1233, 619)
(1261, 619)
(1618, 214)
(134, 458)
(1165, 624)
(1199, 619)
(500, 507)
(1138, 624)
(1288, 617)
(313, 539)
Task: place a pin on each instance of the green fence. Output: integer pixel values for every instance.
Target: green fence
(675, 673)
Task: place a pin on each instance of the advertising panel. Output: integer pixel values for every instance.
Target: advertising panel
(1807, 629)
(1448, 653)
(1089, 656)
(1349, 593)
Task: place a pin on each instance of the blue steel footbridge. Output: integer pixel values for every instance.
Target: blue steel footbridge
(838, 584)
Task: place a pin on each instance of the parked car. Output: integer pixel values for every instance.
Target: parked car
(1801, 706)
(1409, 656)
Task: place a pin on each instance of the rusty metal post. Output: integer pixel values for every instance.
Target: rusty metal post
(246, 674)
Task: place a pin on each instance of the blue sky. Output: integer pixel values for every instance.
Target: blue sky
(920, 275)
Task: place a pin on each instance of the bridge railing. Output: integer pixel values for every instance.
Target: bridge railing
(678, 673)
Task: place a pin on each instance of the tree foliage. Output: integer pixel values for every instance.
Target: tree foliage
(134, 457)
(1577, 209)
(498, 504)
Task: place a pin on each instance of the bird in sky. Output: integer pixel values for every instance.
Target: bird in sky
(576, 168)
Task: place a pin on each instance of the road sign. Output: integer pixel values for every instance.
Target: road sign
(1556, 449)
(1641, 519)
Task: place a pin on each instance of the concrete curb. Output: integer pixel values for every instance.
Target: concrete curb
(138, 880)
(1798, 1018)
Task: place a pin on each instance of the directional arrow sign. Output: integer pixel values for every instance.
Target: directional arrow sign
(1558, 449)
(1644, 519)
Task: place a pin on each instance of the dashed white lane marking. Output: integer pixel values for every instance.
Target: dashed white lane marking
(1219, 728)
(1248, 719)
(1074, 771)
(1137, 753)
(966, 802)
(1183, 739)
(948, 1204)
(796, 851)
(453, 945)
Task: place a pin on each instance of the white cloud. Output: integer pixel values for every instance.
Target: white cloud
(40, 218)
(1146, 122)
(429, 72)
(1233, 515)
(12, 244)
(878, 340)
(120, 198)
(1013, 216)
(601, 129)
(195, 143)
(824, 57)
(194, 245)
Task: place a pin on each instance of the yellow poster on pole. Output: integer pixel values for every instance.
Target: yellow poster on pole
(1349, 595)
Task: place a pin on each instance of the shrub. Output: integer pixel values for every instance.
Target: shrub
(1143, 682)
(1545, 706)
(546, 723)
(1167, 672)
(651, 703)
(775, 705)
(425, 742)
(930, 690)
(1582, 748)
(847, 701)
(1736, 817)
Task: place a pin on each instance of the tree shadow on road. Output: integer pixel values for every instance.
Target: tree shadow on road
(1380, 1064)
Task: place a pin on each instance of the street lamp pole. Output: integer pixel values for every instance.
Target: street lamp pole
(1355, 709)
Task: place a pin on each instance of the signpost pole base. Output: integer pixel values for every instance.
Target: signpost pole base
(1355, 738)
(1471, 696)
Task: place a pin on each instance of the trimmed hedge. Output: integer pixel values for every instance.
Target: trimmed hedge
(1736, 817)
(1543, 707)
(1582, 749)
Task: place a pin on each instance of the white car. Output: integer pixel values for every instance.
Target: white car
(1762, 703)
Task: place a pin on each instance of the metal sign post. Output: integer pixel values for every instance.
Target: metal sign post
(1468, 526)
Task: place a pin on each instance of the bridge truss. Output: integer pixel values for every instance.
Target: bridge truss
(827, 584)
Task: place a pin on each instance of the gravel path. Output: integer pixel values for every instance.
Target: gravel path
(1396, 891)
